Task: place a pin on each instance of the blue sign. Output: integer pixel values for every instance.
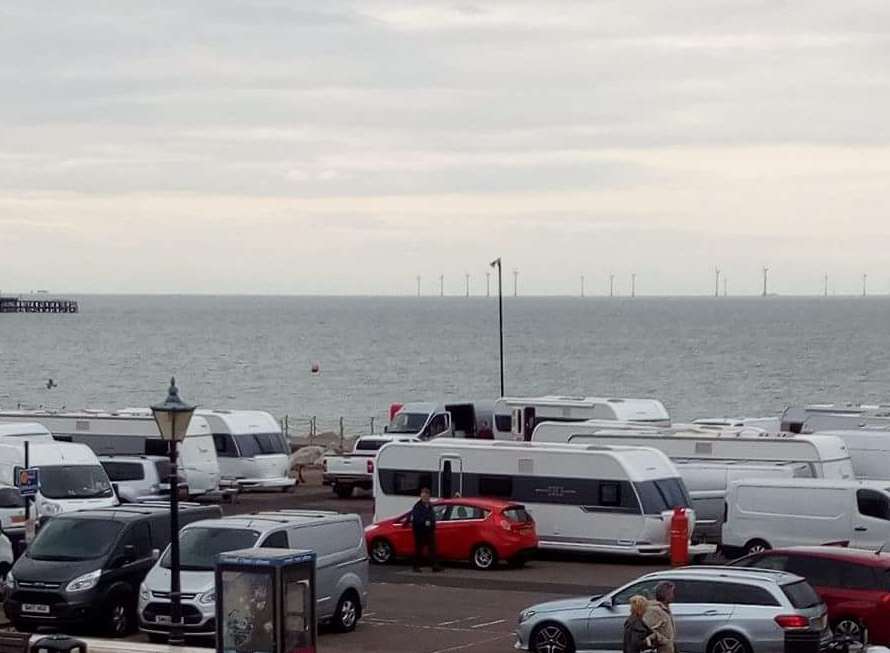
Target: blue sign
(27, 481)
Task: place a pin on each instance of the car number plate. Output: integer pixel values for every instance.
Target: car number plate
(163, 619)
(35, 608)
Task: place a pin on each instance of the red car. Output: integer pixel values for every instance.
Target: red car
(854, 583)
(482, 531)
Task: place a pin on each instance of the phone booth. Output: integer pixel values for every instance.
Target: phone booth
(265, 601)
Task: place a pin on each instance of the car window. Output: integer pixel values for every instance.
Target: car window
(462, 512)
(857, 577)
(518, 514)
(873, 504)
(440, 512)
(119, 471)
(741, 594)
(694, 591)
(11, 498)
(137, 536)
(277, 540)
(74, 539)
(801, 595)
(767, 561)
(644, 588)
(819, 572)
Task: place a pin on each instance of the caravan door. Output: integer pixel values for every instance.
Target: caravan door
(450, 477)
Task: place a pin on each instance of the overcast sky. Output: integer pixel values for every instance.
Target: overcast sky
(280, 146)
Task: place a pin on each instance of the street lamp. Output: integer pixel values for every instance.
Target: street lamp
(497, 263)
(173, 417)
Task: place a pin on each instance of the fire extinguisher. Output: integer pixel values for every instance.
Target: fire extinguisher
(679, 538)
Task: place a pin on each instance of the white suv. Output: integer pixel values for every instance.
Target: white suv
(341, 566)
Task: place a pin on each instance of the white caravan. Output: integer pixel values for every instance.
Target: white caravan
(133, 432)
(707, 483)
(527, 412)
(252, 451)
(71, 477)
(824, 417)
(583, 498)
(825, 456)
(770, 513)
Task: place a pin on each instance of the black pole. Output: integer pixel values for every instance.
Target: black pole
(28, 526)
(176, 636)
(501, 321)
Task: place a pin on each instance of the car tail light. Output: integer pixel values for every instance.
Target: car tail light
(370, 466)
(792, 622)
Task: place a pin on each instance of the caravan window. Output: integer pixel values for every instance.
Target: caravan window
(873, 504)
(503, 423)
(261, 444)
(225, 445)
(661, 495)
(406, 483)
(610, 494)
(496, 486)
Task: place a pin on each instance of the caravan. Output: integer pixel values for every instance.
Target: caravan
(132, 432)
(252, 451)
(527, 412)
(582, 498)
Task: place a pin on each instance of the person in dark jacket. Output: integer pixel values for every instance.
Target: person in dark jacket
(423, 523)
(638, 637)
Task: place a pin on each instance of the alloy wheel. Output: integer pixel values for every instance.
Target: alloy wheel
(348, 614)
(381, 552)
(849, 628)
(551, 639)
(118, 619)
(483, 557)
(728, 644)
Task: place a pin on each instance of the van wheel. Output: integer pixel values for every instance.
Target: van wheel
(484, 557)
(381, 552)
(118, 616)
(849, 627)
(348, 612)
(551, 638)
(728, 643)
(756, 546)
(343, 491)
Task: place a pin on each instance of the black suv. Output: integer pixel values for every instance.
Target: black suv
(84, 568)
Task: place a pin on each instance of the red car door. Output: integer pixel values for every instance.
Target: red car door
(402, 537)
(461, 531)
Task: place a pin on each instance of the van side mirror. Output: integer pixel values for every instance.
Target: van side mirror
(155, 555)
(129, 552)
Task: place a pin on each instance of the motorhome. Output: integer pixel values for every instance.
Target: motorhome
(132, 432)
(252, 451)
(527, 412)
(772, 513)
(426, 420)
(831, 417)
(71, 477)
(825, 456)
(582, 498)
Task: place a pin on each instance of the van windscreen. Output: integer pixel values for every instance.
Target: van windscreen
(407, 423)
(74, 482)
(74, 539)
(198, 547)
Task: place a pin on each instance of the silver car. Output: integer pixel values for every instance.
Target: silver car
(716, 610)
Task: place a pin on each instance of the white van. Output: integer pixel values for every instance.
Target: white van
(71, 477)
(425, 420)
(707, 483)
(825, 455)
(583, 498)
(770, 513)
(21, 431)
(527, 412)
(252, 451)
(133, 432)
(341, 572)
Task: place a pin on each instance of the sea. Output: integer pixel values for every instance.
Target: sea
(703, 357)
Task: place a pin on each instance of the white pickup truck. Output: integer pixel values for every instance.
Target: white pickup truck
(349, 471)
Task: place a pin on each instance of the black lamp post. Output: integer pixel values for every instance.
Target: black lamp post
(497, 263)
(173, 417)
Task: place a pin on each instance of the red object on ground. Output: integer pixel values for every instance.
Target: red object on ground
(462, 526)
(854, 583)
(393, 409)
(679, 538)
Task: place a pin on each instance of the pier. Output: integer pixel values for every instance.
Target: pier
(37, 305)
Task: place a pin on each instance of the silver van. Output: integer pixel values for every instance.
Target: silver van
(341, 567)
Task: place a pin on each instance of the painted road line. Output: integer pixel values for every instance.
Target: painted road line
(489, 623)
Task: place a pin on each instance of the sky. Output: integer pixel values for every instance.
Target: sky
(336, 147)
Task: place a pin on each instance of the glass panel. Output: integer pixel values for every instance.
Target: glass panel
(518, 514)
(801, 595)
(74, 539)
(118, 471)
(198, 547)
(74, 482)
(248, 611)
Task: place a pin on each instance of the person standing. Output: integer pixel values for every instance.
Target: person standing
(485, 432)
(638, 637)
(659, 618)
(423, 524)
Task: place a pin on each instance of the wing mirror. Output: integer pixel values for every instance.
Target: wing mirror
(155, 555)
(604, 602)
